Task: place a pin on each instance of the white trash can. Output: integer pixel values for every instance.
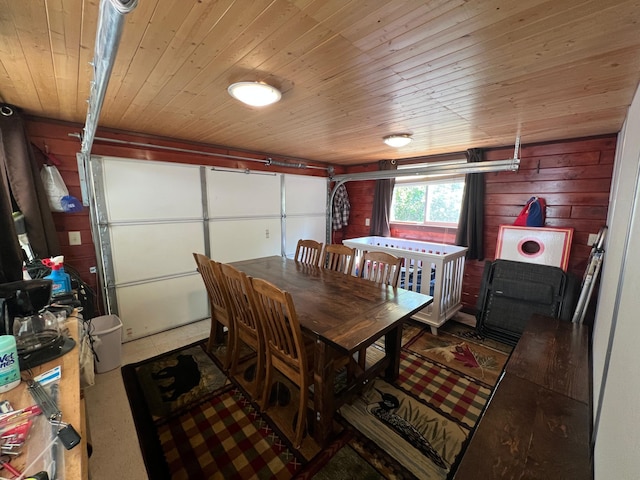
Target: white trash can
(108, 344)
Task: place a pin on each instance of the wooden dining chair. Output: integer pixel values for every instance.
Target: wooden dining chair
(308, 251)
(338, 258)
(247, 325)
(286, 350)
(218, 299)
(381, 268)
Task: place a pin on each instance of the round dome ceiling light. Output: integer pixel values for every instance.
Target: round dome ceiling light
(398, 140)
(256, 94)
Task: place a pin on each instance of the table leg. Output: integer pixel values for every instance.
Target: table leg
(392, 345)
(323, 380)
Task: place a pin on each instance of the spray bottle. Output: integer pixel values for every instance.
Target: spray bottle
(61, 280)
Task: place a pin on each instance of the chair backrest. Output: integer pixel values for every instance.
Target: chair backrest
(241, 299)
(308, 251)
(338, 258)
(282, 329)
(380, 267)
(216, 291)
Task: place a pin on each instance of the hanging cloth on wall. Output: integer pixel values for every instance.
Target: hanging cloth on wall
(21, 189)
(532, 214)
(341, 208)
(382, 197)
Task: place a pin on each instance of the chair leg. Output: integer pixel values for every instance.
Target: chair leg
(266, 387)
(259, 383)
(231, 349)
(235, 350)
(302, 414)
(211, 343)
(212, 336)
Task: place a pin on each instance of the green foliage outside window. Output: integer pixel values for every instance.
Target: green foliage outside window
(427, 202)
(409, 203)
(445, 200)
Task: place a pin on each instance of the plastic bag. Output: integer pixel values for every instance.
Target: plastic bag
(54, 186)
(71, 204)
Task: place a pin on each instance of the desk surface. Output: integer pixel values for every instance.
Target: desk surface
(347, 312)
(69, 402)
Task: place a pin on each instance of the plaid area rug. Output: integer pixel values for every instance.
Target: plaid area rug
(194, 422)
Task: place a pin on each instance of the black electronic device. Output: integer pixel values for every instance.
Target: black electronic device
(24, 315)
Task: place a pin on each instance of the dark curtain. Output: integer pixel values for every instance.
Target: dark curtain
(471, 224)
(21, 189)
(382, 196)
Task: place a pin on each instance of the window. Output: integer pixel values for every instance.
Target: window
(433, 202)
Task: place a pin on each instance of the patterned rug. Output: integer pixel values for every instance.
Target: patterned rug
(462, 355)
(194, 422)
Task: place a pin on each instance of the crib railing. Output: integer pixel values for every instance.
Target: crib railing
(434, 269)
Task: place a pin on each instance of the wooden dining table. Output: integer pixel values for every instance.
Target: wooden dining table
(343, 314)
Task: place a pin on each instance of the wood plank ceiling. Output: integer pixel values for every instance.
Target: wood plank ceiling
(454, 74)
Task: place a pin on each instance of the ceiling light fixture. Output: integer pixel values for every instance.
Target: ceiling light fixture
(398, 140)
(256, 94)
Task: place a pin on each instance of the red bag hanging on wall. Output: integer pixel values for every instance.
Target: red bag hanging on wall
(532, 214)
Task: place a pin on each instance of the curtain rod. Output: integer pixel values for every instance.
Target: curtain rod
(267, 161)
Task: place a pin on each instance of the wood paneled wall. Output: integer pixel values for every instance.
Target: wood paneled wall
(573, 176)
(53, 136)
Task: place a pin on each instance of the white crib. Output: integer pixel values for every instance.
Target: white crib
(443, 266)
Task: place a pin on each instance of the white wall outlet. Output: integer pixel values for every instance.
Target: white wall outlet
(592, 238)
(75, 238)
(367, 222)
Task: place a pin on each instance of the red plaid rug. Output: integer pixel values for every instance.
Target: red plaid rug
(225, 438)
(198, 424)
(443, 389)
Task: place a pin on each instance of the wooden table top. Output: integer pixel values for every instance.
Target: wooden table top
(537, 424)
(69, 402)
(529, 432)
(554, 354)
(344, 310)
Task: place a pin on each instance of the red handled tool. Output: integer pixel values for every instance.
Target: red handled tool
(4, 463)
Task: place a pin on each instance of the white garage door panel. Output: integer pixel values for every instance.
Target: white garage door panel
(304, 227)
(305, 195)
(142, 252)
(136, 190)
(235, 240)
(153, 307)
(233, 194)
(155, 220)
